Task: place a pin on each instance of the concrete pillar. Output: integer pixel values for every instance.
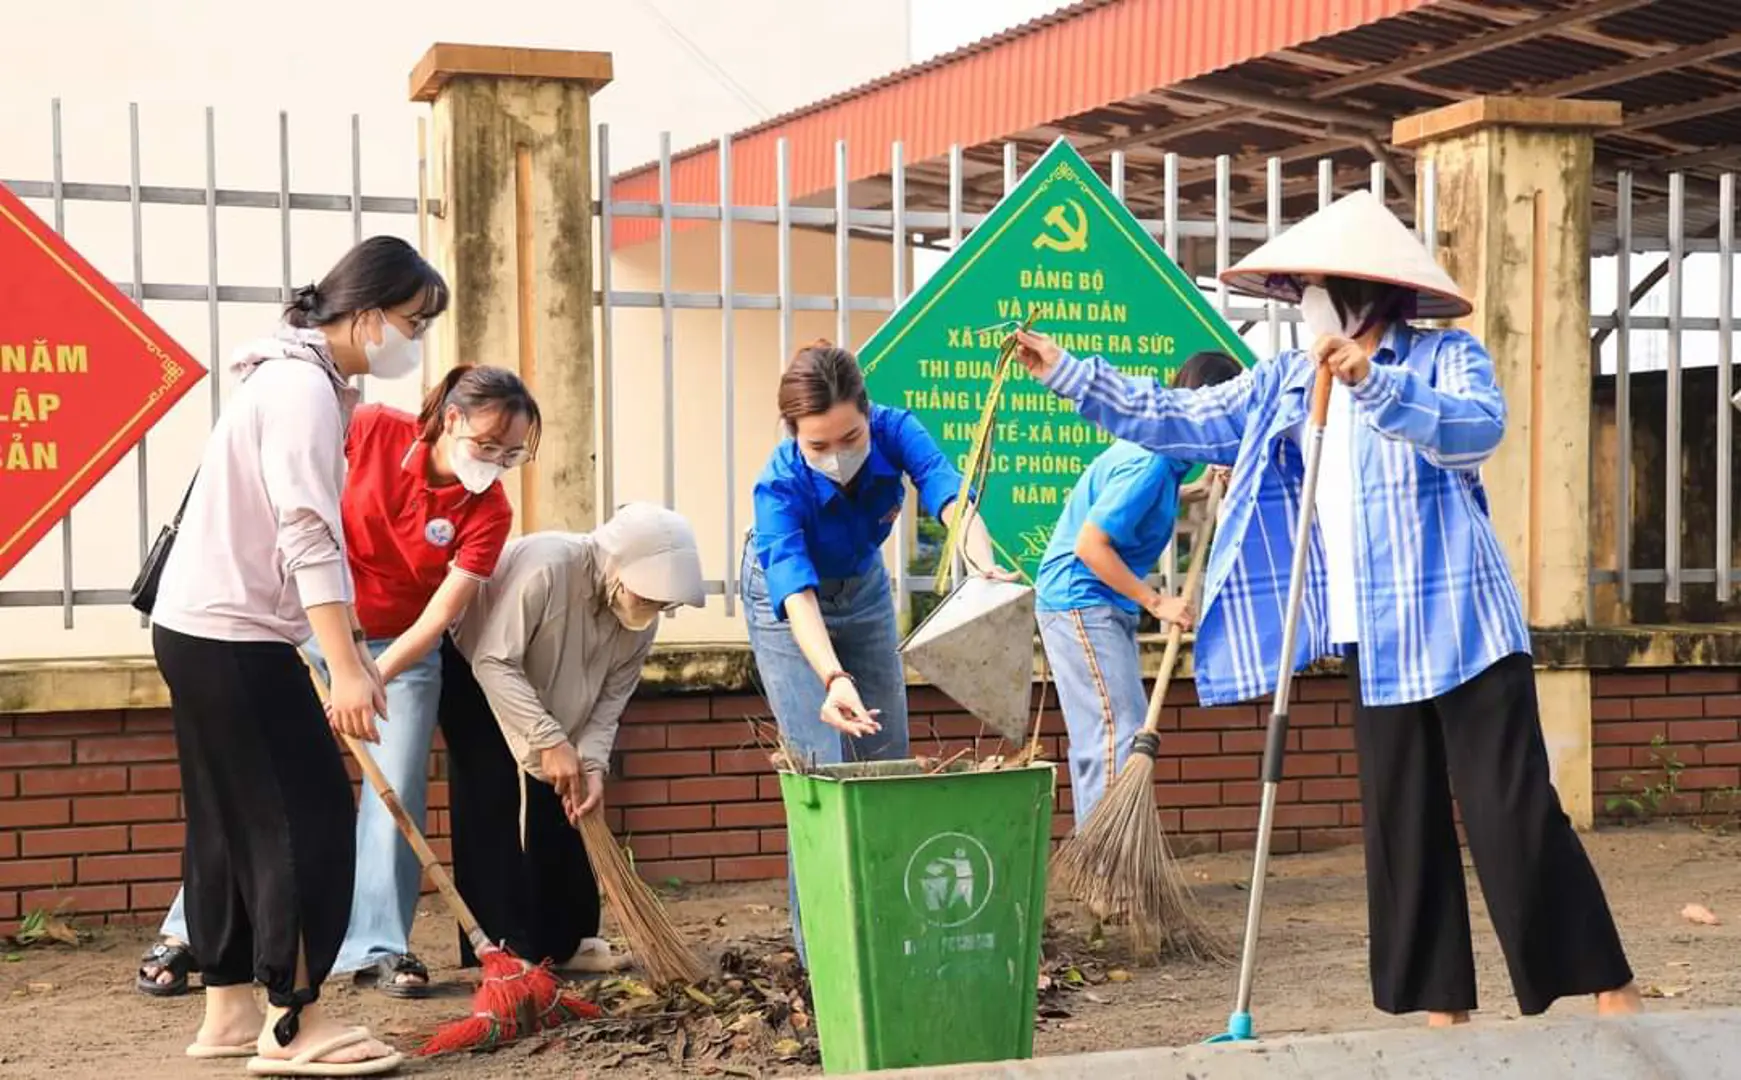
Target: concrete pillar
(1514, 189)
(511, 163)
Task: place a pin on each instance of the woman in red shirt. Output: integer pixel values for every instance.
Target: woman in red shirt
(425, 520)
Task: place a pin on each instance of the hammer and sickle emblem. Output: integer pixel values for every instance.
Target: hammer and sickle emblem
(1074, 233)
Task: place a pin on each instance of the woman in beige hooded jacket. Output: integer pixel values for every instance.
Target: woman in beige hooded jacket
(538, 673)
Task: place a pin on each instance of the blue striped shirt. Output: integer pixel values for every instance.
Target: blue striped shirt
(1437, 603)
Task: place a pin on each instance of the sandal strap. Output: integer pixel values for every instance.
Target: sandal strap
(169, 957)
(402, 964)
(316, 1054)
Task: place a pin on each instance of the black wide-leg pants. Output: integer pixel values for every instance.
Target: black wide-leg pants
(542, 900)
(1484, 739)
(269, 861)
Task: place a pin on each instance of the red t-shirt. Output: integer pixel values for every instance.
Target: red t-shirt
(403, 535)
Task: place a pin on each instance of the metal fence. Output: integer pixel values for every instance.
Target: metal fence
(59, 191)
(944, 229)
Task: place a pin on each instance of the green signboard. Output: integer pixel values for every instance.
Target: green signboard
(1062, 248)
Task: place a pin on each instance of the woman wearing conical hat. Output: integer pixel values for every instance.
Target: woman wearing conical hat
(1407, 582)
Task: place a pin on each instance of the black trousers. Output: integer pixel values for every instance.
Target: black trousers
(540, 901)
(269, 861)
(1545, 901)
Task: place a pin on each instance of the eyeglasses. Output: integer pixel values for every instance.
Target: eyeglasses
(494, 453)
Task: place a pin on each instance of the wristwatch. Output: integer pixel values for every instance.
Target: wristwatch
(835, 676)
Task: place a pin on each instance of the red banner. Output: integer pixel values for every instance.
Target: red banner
(83, 376)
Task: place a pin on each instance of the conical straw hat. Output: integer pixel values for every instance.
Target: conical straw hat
(1353, 237)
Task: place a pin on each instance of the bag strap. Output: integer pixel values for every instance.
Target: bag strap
(185, 496)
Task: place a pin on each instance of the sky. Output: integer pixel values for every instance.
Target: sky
(942, 25)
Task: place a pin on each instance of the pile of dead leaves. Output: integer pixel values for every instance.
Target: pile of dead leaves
(1069, 976)
(755, 1014)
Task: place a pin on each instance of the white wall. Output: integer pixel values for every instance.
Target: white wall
(322, 61)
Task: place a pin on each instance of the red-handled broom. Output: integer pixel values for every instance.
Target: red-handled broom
(515, 998)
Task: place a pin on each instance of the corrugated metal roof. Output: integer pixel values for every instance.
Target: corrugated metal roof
(1072, 61)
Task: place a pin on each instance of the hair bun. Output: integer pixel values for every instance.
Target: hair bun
(306, 298)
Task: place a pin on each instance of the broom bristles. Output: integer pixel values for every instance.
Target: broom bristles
(514, 999)
(654, 941)
(1119, 863)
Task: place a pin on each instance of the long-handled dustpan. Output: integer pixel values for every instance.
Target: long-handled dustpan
(1239, 1027)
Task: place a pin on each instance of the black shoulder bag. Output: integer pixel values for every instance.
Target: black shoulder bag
(143, 594)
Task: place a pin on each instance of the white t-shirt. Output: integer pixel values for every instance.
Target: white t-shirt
(1335, 510)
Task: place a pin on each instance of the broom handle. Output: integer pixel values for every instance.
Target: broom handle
(1175, 632)
(409, 830)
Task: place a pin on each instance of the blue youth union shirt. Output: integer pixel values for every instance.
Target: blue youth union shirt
(809, 529)
(1132, 494)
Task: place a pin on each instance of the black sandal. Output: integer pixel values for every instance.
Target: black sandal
(178, 960)
(386, 972)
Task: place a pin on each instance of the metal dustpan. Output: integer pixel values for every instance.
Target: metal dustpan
(977, 646)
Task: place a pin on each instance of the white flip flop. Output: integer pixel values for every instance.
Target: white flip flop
(309, 1063)
(594, 957)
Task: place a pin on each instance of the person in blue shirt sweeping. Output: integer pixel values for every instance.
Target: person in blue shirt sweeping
(1091, 593)
(1408, 582)
(816, 596)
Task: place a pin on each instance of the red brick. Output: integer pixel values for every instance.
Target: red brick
(1724, 705)
(1667, 708)
(634, 737)
(1709, 778)
(87, 841)
(1618, 708)
(168, 778)
(1312, 714)
(668, 763)
(1218, 819)
(127, 748)
(650, 847)
(8, 785)
(750, 868)
(1250, 792)
(148, 721)
(1231, 716)
(1704, 682)
(1723, 754)
(443, 848)
(59, 725)
(614, 818)
(692, 845)
(638, 792)
(17, 813)
(718, 733)
(1188, 795)
(8, 910)
(1320, 739)
(665, 710)
(773, 841)
(955, 726)
(1629, 685)
(714, 789)
(83, 899)
(1611, 757)
(768, 787)
(76, 781)
(749, 815)
(166, 836)
(740, 707)
(1321, 688)
(1653, 757)
(1166, 771)
(438, 797)
(36, 752)
(1339, 790)
(1703, 731)
(1629, 733)
(8, 845)
(726, 762)
(668, 818)
(1188, 743)
(23, 873)
(101, 869)
(660, 871)
(1310, 765)
(106, 808)
(1218, 768)
(153, 895)
(929, 699)
(1309, 815)
(1349, 764)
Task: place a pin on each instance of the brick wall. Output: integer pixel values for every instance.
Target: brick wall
(1667, 742)
(90, 812)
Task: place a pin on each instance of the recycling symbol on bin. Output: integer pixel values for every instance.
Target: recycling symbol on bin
(949, 879)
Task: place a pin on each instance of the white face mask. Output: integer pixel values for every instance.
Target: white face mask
(476, 476)
(634, 618)
(396, 356)
(840, 466)
(1318, 312)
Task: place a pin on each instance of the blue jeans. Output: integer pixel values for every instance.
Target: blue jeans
(388, 877)
(1093, 655)
(860, 615)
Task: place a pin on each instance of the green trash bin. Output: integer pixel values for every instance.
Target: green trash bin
(923, 898)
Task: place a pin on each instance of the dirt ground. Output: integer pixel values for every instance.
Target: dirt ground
(74, 1015)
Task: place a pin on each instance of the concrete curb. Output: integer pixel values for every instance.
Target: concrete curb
(1688, 1045)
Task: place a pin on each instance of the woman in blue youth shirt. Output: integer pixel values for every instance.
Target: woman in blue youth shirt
(1091, 593)
(815, 594)
(1407, 581)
